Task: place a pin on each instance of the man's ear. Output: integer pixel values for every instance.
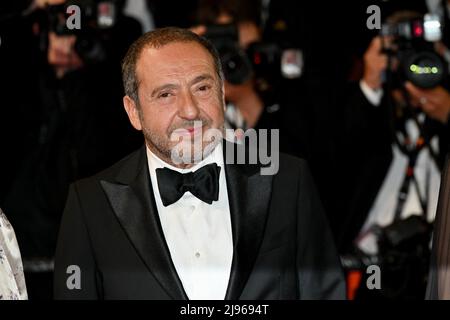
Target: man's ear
(132, 111)
(223, 97)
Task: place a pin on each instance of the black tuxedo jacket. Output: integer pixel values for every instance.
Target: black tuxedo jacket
(282, 245)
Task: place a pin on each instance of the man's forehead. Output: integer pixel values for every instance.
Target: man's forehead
(175, 58)
(177, 52)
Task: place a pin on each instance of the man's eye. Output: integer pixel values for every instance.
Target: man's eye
(165, 95)
(204, 88)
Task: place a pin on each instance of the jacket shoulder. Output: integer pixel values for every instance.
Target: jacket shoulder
(110, 174)
(289, 163)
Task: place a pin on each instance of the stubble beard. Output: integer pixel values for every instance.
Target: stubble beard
(165, 148)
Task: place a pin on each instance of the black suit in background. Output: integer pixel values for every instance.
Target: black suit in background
(283, 248)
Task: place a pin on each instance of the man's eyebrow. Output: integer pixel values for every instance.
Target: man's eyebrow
(197, 79)
(201, 78)
(163, 87)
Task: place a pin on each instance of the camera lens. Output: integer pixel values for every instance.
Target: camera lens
(236, 66)
(424, 69)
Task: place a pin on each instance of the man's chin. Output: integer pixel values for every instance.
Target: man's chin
(192, 153)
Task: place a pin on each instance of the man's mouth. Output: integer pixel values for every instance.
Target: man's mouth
(189, 131)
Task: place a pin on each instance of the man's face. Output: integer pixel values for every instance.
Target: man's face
(178, 85)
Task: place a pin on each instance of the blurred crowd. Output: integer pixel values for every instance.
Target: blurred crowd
(368, 109)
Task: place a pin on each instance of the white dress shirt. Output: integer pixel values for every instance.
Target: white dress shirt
(426, 172)
(199, 235)
(373, 96)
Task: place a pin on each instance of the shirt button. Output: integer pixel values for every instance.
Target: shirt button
(197, 254)
(192, 208)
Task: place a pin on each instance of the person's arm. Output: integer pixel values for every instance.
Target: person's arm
(320, 273)
(75, 269)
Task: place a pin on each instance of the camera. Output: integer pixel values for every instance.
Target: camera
(236, 65)
(264, 60)
(403, 256)
(96, 18)
(414, 41)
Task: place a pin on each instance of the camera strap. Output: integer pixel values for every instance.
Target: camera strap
(411, 150)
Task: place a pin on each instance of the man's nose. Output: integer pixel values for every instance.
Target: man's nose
(188, 108)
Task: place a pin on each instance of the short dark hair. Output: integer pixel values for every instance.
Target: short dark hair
(157, 39)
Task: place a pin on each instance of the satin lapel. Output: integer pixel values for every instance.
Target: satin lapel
(133, 203)
(249, 195)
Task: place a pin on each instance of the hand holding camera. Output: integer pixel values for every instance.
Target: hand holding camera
(61, 53)
(434, 102)
(71, 48)
(42, 4)
(408, 49)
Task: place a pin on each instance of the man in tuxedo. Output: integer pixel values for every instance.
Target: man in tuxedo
(151, 227)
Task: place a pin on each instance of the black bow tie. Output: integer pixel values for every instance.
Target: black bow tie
(203, 183)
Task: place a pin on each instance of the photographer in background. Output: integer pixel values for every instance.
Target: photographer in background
(396, 136)
(62, 110)
(234, 28)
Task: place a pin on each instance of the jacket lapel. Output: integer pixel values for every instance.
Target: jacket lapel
(131, 197)
(249, 195)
